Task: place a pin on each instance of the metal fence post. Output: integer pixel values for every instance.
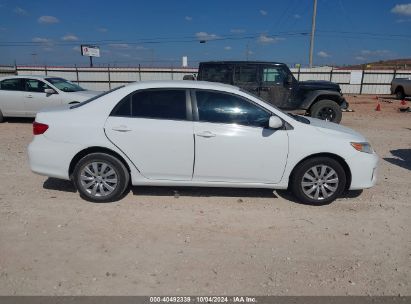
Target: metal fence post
(362, 81)
(139, 72)
(45, 69)
(109, 77)
(172, 73)
(77, 74)
(331, 74)
(298, 74)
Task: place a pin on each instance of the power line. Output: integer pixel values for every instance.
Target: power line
(190, 39)
(366, 34)
(148, 41)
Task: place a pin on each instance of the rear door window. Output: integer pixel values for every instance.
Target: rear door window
(246, 74)
(15, 84)
(158, 104)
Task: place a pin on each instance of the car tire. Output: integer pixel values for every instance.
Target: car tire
(326, 110)
(1, 117)
(101, 178)
(399, 94)
(318, 181)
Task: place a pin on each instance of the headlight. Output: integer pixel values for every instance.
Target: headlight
(362, 147)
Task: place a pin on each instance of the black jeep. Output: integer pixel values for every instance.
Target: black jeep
(275, 83)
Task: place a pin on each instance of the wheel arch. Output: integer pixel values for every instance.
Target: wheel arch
(319, 98)
(96, 149)
(399, 88)
(315, 96)
(336, 157)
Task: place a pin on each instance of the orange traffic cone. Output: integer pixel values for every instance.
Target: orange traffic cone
(378, 108)
(403, 102)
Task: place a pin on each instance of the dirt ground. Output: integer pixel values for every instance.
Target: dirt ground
(193, 241)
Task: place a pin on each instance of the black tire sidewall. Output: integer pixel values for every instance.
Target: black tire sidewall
(399, 94)
(319, 105)
(121, 171)
(298, 173)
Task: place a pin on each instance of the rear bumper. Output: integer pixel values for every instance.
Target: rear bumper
(50, 158)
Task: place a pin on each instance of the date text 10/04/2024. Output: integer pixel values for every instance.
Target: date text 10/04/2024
(203, 299)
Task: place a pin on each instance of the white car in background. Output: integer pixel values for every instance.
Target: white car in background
(24, 96)
(185, 133)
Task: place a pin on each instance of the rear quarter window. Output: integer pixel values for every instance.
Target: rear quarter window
(217, 73)
(94, 98)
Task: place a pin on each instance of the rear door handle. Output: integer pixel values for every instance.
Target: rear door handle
(121, 129)
(206, 134)
(29, 96)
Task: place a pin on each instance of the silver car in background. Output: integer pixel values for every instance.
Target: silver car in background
(24, 96)
(401, 87)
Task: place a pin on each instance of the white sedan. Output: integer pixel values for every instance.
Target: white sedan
(185, 133)
(24, 96)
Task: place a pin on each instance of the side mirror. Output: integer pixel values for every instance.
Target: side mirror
(189, 77)
(275, 122)
(289, 79)
(49, 91)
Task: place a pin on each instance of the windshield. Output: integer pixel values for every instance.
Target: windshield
(94, 98)
(293, 116)
(64, 85)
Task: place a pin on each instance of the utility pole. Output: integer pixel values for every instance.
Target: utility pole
(312, 33)
(34, 58)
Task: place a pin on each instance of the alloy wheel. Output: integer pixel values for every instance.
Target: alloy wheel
(99, 179)
(320, 182)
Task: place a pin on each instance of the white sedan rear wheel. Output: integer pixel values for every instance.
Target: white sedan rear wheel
(101, 178)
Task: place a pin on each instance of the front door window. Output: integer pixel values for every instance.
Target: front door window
(229, 109)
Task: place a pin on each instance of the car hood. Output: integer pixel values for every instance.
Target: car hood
(320, 85)
(335, 129)
(83, 95)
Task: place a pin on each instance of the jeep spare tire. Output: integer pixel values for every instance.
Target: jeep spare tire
(326, 110)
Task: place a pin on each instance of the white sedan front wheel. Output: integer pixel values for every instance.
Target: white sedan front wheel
(318, 181)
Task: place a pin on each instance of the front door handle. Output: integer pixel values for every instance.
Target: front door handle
(29, 96)
(121, 129)
(206, 134)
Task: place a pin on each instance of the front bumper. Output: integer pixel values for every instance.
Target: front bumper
(344, 104)
(364, 170)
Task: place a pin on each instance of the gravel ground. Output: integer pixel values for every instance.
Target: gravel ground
(193, 241)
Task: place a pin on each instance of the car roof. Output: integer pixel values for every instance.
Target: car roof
(181, 84)
(27, 76)
(242, 62)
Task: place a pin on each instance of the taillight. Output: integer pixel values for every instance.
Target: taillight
(39, 128)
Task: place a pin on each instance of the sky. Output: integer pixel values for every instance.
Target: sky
(159, 33)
